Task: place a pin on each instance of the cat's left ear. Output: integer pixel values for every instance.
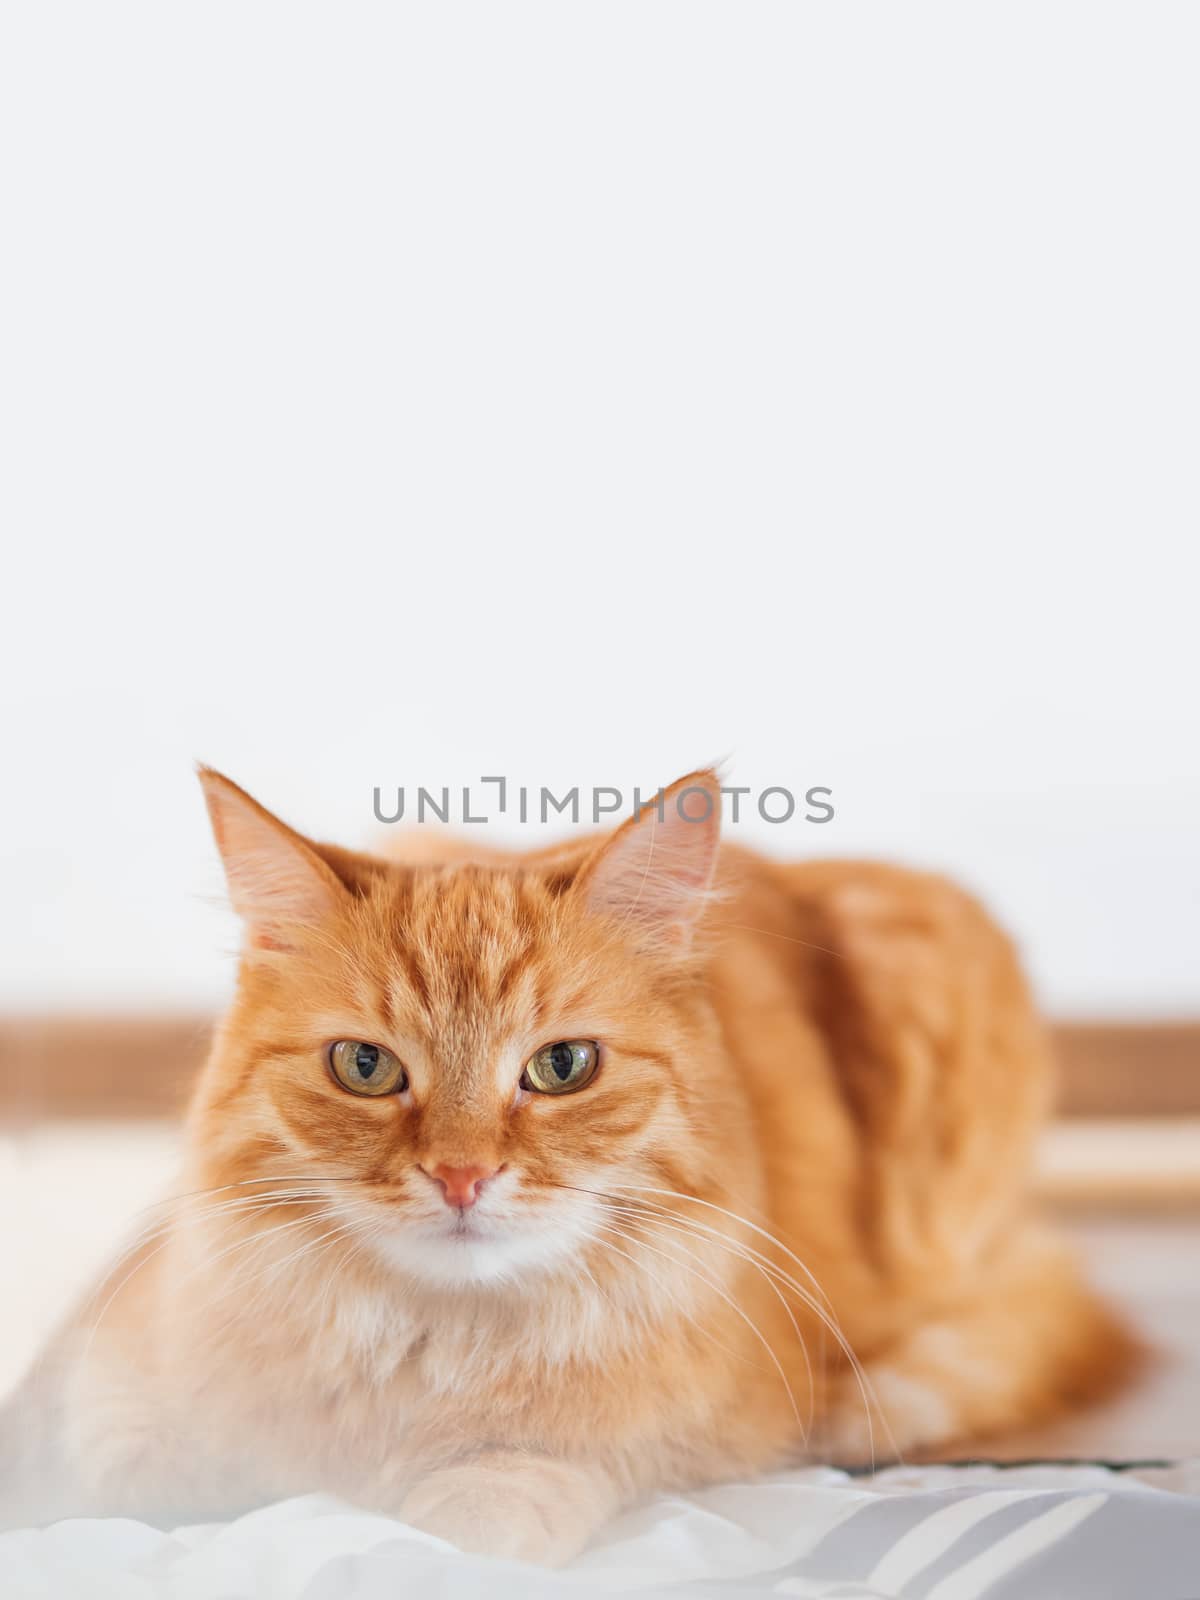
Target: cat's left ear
(277, 881)
(653, 876)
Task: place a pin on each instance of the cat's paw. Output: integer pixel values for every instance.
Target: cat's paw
(886, 1415)
(500, 1508)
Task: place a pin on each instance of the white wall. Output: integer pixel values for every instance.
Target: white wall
(399, 394)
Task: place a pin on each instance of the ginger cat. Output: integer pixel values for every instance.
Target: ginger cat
(517, 1190)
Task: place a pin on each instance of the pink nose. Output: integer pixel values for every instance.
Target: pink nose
(461, 1185)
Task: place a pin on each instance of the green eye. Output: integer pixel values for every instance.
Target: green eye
(366, 1068)
(560, 1068)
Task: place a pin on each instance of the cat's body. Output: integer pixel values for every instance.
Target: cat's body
(808, 1134)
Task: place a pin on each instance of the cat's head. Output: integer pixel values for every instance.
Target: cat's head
(461, 1060)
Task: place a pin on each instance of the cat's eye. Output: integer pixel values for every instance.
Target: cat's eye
(562, 1067)
(366, 1068)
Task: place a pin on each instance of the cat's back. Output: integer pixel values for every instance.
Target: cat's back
(849, 935)
(887, 1040)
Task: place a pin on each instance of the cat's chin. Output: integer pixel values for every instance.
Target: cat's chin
(466, 1253)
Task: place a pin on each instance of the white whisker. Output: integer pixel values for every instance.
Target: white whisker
(732, 1304)
(706, 1333)
(680, 1226)
(866, 1389)
(824, 1313)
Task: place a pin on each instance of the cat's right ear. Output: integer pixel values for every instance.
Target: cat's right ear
(277, 881)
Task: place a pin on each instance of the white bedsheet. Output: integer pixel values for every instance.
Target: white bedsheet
(943, 1533)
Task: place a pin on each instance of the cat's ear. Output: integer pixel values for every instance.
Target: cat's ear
(654, 874)
(276, 879)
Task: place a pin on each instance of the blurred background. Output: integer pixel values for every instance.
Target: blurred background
(403, 395)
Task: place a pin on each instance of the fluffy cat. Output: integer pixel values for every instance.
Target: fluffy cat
(516, 1189)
